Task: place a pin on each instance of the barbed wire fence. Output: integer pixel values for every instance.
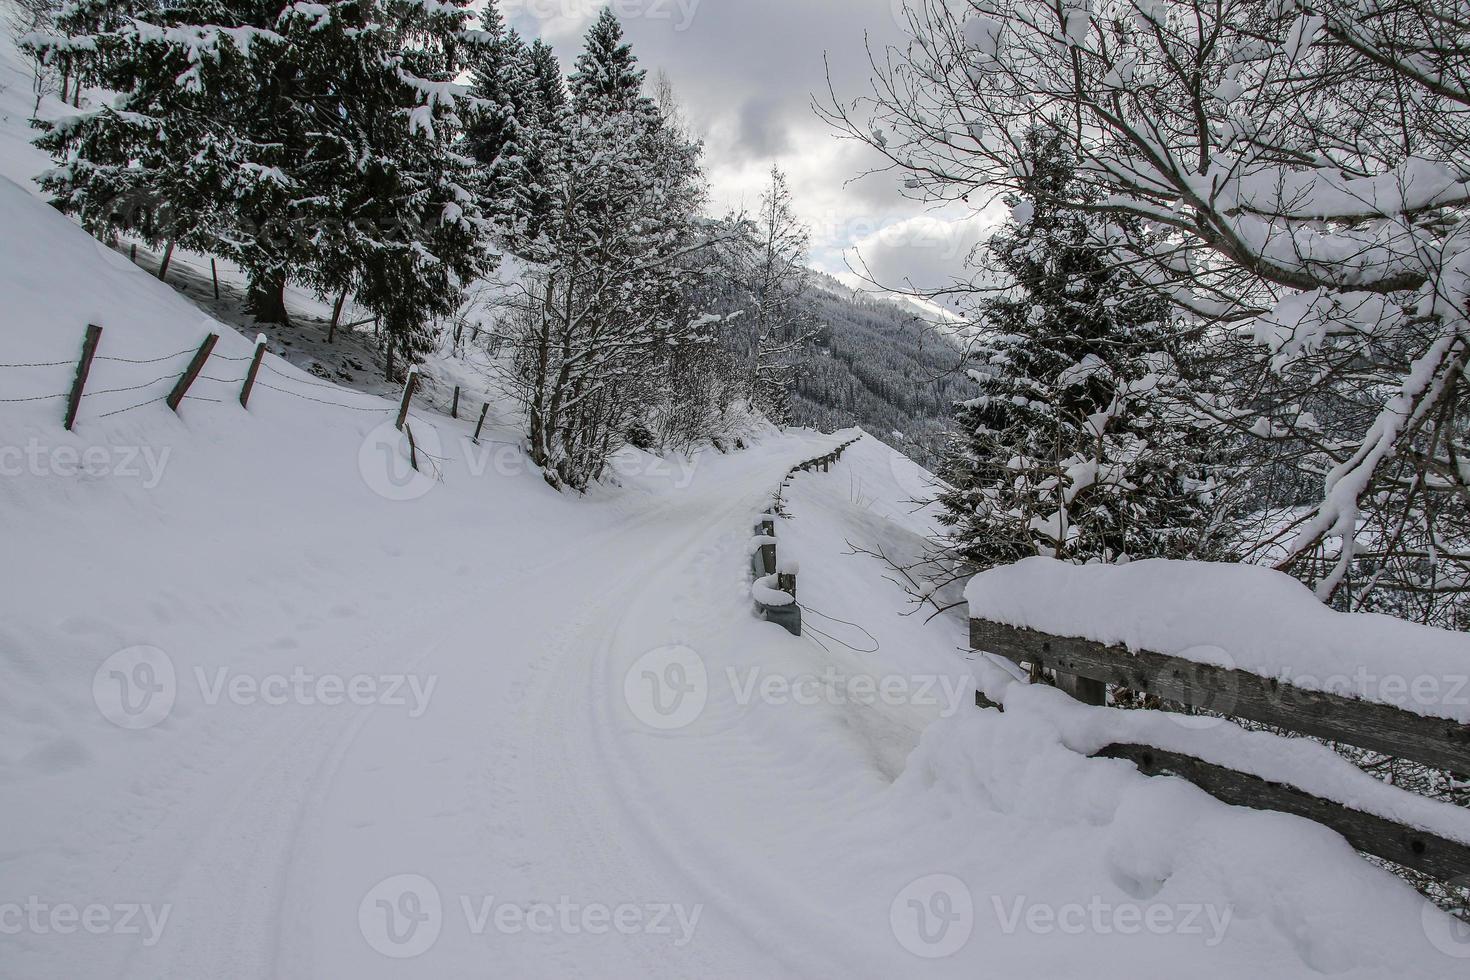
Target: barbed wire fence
(183, 376)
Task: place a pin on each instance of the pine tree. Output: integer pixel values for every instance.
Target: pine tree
(551, 88)
(174, 161)
(1072, 449)
(502, 84)
(409, 187)
(314, 143)
(607, 79)
(540, 140)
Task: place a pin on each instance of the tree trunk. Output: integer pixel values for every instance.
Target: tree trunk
(266, 300)
(168, 256)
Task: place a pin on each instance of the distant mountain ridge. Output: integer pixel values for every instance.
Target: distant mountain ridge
(879, 363)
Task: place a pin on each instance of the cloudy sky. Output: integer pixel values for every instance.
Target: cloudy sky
(746, 71)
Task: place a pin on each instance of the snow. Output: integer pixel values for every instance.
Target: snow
(1302, 763)
(983, 35)
(766, 592)
(291, 720)
(1242, 616)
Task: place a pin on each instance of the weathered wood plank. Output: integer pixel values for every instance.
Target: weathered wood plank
(1083, 689)
(1435, 742)
(1431, 854)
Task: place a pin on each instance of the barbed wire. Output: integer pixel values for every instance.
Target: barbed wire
(144, 360)
(203, 377)
(121, 360)
(874, 640)
(287, 377)
(119, 411)
(322, 401)
(38, 364)
(35, 398)
(115, 391)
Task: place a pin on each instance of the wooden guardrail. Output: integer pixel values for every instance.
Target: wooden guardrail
(771, 575)
(1085, 668)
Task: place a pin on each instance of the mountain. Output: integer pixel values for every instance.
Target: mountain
(881, 364)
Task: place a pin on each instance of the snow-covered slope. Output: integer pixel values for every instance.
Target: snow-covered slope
(271, 706)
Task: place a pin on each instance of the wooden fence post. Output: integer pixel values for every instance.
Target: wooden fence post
(454, 409)
(84, 368)
(176, 397)
(484, 411)
(214, 274)
(786, 582)
(767, 528)
(254, 370)
(408, 390)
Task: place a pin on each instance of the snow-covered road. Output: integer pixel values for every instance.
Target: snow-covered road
(262, 827)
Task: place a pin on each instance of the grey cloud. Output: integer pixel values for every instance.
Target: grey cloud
(747, 71)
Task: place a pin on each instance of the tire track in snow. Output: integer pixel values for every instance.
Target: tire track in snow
(749, 903)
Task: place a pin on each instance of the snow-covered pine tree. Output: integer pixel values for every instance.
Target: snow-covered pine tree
(498, 85)
(501, 118)
(551, 87)
(1072, 448)
(607, 79)
(314, 143)
(394, 155)
(170, 160)
(542, 136)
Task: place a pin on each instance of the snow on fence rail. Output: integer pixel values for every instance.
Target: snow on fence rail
(774, 589)
(1251, 643)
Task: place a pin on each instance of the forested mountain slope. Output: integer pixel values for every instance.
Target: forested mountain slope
(879, 364)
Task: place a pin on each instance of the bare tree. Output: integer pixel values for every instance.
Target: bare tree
(780, 322)
(25, 17)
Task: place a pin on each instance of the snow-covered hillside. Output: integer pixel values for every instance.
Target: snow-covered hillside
(271, 705)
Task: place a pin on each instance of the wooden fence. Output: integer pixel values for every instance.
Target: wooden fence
(182, 382)
(1085, 668)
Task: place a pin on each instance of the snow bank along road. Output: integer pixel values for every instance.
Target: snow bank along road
(258, 719)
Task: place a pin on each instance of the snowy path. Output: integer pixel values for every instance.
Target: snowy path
(530, 822)
(263, 830)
